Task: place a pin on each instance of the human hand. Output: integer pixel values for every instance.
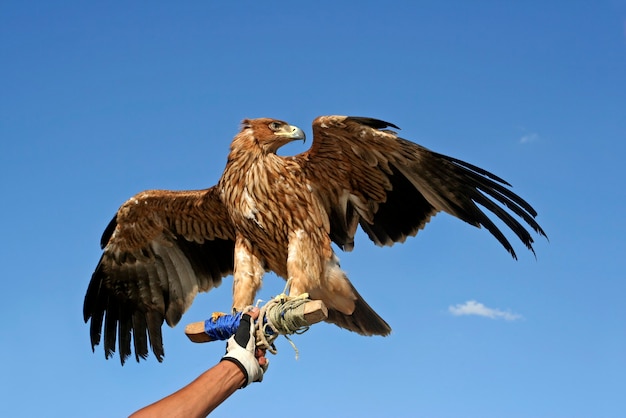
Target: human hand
(241, 349)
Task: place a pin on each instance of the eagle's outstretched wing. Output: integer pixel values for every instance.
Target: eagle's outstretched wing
(160, 250)
(366, 175)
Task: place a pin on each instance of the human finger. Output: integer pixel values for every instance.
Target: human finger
(253, 312)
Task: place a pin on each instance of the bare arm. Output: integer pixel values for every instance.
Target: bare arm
(201, 396)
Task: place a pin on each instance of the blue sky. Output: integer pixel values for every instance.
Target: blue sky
(99, 102)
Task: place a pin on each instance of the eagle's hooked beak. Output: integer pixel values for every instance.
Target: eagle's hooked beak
(293, 133)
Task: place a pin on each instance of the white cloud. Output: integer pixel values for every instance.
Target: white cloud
(532, 137)
(471, 307)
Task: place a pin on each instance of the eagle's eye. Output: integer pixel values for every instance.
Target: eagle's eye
(275, 126)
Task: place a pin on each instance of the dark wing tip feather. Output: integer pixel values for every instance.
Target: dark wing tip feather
(125, 312)
(472, 167)
(486, 184)
(115, 319)
(371, 122)
(108, 232)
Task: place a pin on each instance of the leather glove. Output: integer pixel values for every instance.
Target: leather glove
(240, 349)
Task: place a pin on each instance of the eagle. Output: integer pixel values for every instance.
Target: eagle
(279, 213)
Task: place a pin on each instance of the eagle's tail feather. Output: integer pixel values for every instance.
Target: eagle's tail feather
(364, 320)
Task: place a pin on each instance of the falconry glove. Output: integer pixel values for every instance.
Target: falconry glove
(240, 350)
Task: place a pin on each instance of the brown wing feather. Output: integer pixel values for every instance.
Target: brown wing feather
(160, 250)
(367, 176)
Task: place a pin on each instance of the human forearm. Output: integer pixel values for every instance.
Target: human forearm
(201, 396)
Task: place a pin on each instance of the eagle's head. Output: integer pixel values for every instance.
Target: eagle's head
(269, 134)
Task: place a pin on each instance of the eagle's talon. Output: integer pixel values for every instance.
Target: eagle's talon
(285, 297)
(216, 315)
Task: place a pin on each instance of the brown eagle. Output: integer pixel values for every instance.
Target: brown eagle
(270, 212)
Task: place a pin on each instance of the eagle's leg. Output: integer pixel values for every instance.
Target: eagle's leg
(247, 275)
(303, 263)
(313, 268)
